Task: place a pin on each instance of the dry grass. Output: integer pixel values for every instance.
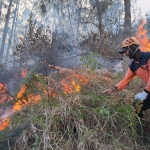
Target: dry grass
(88, 120)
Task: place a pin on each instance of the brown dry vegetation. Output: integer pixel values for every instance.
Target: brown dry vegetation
(88, 120)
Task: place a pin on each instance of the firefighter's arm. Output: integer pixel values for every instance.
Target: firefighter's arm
(125, 81)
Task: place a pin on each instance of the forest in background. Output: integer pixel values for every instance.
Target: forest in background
(36, 31)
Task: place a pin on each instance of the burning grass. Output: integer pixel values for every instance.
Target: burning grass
(77, 120)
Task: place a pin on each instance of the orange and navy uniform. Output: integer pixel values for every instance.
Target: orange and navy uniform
(141, 69)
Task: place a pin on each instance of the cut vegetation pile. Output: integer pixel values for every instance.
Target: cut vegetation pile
(84, 119)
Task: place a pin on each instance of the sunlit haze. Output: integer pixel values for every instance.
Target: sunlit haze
(144, 5)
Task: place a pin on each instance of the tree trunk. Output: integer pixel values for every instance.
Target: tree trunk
(5, 31)
(100, 13)
(127, 19)
(12, 29)
(102, 7)
(1, 3)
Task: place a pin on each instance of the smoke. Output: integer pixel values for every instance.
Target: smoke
(5, 112)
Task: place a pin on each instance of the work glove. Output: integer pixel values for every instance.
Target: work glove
(141, 96)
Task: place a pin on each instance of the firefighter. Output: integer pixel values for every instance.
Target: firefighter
(139, 66)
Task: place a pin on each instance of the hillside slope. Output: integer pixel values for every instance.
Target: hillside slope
(72, 112)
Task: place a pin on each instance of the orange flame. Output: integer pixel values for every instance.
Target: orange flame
(74, 86)
(4, 124)
(24, 98)
(3, 94)
(66, 87)
(52, 93)
(142, 37)
(77, 86)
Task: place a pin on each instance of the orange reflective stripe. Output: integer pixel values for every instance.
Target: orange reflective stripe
(147, 87)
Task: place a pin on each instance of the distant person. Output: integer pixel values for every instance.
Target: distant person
(139, 66)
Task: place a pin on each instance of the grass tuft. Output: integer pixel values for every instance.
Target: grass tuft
(85, 120)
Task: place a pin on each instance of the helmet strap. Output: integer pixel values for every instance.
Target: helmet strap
(131, 50)
(135, 51)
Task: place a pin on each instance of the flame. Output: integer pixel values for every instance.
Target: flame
(52, 93)
(24, 98)
(4, 124)
(66, 87)
(77, 86)
(21, 101)
(4, 119)
(82, 79)
(142, 37)
(74, 84)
